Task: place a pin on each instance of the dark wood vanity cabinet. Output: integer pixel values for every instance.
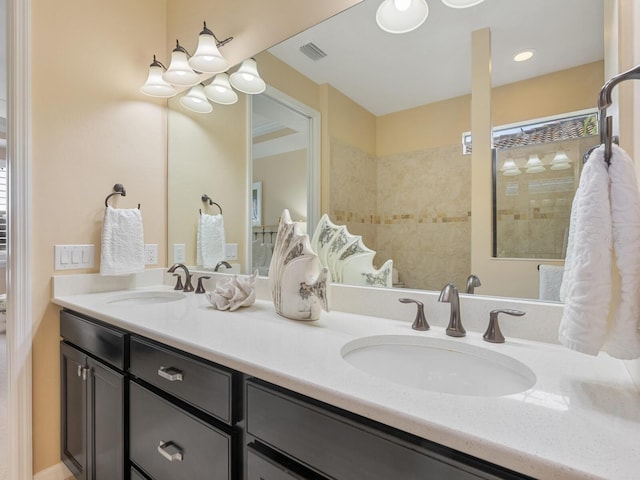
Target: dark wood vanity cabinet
(291, 436)
(133, 408)
(93, 396)
(183, 415)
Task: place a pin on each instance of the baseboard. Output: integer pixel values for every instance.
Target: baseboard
(57, 472)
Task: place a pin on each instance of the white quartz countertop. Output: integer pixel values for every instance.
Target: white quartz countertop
(581, 420)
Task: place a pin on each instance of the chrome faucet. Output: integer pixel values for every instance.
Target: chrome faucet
(221, 263)
(449, 294)
(472, 282)
(187, 281)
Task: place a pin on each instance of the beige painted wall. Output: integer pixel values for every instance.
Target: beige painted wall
(284, 185)
(92, 128)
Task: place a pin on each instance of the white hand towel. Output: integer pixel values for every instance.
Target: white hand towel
(549, 282)
(122, 242)
(586, 283)
(623, 340)
(210, 244)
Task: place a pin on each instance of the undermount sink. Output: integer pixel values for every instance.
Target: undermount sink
(145, 298)
(439, 365)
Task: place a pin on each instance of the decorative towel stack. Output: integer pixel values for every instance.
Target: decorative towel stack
(605, 227)
(122, 242)
(210, 244)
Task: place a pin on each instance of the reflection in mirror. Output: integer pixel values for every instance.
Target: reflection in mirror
(282, 155)
(536, 173)
(393, 168)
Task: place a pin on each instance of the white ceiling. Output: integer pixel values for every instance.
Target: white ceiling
(385, 73)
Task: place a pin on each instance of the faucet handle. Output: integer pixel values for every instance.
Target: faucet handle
(188, 287)
(493, 333)
(420, 323)
(179, 285)
(200, 287)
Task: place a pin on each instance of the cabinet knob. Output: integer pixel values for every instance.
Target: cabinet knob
(170, 451)
(170, 373)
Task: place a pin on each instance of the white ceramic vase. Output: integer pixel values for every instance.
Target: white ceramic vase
(297, 281)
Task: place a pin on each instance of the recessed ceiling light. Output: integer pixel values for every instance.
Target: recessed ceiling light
(523, 56)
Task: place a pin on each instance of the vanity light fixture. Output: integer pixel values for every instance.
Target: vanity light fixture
(207, 58)
(156, 86)
(247, 79)
(401, 16)
(196, 100)
(534, 164)
(560, 161)
(220, 90)
(461, 3)
(524, 55)
(509, 168)
(180, 72)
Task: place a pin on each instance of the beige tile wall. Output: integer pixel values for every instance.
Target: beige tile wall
(412, 207)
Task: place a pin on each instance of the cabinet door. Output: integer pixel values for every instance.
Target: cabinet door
(105, 400)
(73, 404)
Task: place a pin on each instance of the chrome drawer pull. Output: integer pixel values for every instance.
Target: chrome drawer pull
(170, 373)
(176, 453)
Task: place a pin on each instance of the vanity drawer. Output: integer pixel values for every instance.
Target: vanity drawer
(196, 382)
(136, 475)
(261, 466)
(106, 343)
(169, 444)
(337, 446)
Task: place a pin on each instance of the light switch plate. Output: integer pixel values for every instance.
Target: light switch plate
(231, 251)
(69, 257)
(178, 253)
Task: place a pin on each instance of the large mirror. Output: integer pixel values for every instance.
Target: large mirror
(393, 167)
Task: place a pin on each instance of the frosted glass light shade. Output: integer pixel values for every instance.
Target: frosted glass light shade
(560, 161)
(247, 79)
(509, 168)
(196, 100)
(461, 3)
(220, 90)
(401, 16)
(208, 58)
(534, 164)
(155, 86)
(179, 71)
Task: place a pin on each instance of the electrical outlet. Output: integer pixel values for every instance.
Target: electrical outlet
(151, 253)
(178, 253)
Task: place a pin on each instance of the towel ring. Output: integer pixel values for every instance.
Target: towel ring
(207, 198)
(118, 189)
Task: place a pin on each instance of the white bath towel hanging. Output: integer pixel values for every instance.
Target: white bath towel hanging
(586, 283)
(604, 228)
(623, 339)
(210, 243)
(122, 242)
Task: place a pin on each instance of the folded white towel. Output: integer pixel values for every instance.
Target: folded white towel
(586, 283)
(623, 340)
(210, 244)
(605, 224)
(122, 242)
(549, 282)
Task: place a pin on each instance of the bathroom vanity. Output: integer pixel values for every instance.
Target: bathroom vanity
(250, 395)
